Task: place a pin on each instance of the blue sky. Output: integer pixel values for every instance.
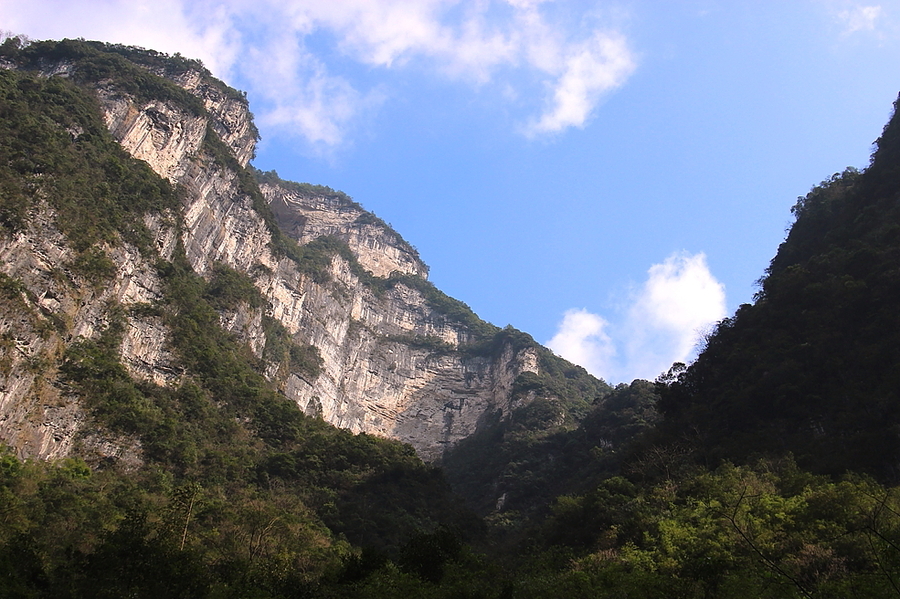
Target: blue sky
(611, 177)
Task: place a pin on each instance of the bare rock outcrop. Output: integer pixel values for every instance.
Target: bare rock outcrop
(392, 363)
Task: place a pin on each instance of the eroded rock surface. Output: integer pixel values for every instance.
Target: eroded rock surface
(377, 375)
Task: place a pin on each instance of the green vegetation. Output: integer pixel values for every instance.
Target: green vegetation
(767, 530)
(95, 62)
(307, 190)
(221, 155)
(13, 295)
(313, 258)
(131, 69)
(173, 66)
(57, 148)
(810, 367)
(94, 265)
(453, 309)
(228, 288)
(303, 360)
(432, 343)
(535, 450)
(767, 468)
(540, 451)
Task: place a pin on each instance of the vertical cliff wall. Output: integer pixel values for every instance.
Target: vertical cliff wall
(398, 358)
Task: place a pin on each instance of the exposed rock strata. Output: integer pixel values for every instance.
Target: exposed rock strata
(306, 217)
(37, 416)
(373, 378)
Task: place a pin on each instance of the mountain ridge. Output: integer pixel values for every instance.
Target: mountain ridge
(178, 331)
(394, 348)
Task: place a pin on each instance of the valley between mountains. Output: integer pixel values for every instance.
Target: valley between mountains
(218, 383)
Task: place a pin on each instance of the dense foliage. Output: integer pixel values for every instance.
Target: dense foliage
(770, 530)
(763, 469)
(56, 148)
(811, 366)
(767, 530)
(513, 468)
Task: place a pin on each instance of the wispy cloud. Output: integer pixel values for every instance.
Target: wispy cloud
(591, 69)
(860, 18)
(306, 88)
(677, 303)
(301, 97)
(165, 25)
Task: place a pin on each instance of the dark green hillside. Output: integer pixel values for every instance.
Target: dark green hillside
(515, 466)
(813, 366)
(56, 146)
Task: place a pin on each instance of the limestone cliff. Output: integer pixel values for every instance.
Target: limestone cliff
(309, 212)
(398, 358)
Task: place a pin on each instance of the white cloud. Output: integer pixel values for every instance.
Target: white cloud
(163, 25)
(268, 43)
(300, 96)
(679, 300)
(859, 18)
(582, 339)
(677, 303)
(593, 68)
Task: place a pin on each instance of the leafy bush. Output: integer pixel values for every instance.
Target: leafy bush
(56, 146)
(306, 359)
(228, 288)
(280, 348)
(94, 265)
(432, 343)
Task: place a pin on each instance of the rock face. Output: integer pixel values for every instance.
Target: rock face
(393, 364)
(306, 216)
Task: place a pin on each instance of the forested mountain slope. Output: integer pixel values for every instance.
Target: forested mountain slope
(813, 366)
(215, 383)
(149, 374)
(179, 332)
